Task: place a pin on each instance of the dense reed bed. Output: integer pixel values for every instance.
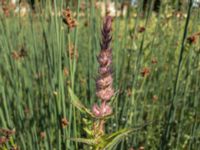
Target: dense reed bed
(155, 69)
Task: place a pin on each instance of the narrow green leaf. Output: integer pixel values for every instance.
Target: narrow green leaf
(85, 141)
(115, 138)
(77, 103)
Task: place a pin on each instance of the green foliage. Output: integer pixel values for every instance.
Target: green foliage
(36, 96)
(77, 103)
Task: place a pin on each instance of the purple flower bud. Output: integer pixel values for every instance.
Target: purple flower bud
(104, 70)
(106, 109)
(96, 110)
(105, 57)
(103, 83)
(105, 94)
(108, 23)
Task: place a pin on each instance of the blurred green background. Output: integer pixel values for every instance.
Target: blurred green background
(156, 70)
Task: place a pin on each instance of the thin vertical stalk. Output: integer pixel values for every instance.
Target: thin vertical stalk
(170, 116)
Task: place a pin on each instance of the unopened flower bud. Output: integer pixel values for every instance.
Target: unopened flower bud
(96, 110)
(106, 109)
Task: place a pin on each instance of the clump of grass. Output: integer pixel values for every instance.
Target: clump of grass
(40, 58)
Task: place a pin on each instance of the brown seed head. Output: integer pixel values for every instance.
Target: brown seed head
(154, 61)
(66, 72)
(192, 39)
(155, 98)
(7, 132)
(68, 20)
(141, 29)
(17, 55)
(73, 52)
(42, 135)
(64, 122)
(145, 72)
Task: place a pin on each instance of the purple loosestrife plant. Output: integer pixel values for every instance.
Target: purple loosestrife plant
(96, 135)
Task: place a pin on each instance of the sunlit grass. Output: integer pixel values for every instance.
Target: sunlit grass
(34, 94)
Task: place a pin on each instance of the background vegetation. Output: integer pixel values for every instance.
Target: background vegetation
(156, 73)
